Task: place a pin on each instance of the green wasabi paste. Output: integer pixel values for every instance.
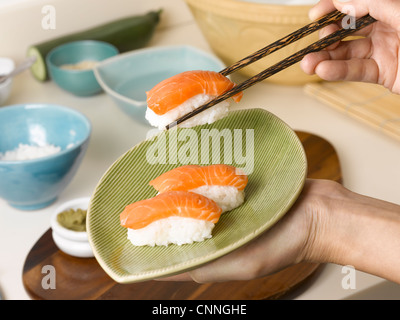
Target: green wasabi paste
(73, 219)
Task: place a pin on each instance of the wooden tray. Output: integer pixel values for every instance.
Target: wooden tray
(80, 278)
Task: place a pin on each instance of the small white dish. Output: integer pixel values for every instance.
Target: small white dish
(6, 66)
(74, 243)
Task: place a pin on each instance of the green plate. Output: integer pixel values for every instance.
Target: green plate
(254, 140)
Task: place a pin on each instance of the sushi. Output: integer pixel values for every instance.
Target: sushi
(189, 203)
(221, 183)
(173, 217)
(176, 96)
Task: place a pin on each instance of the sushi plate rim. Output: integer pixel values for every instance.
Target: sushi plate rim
(201, 260)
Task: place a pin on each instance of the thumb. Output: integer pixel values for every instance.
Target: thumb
(386, 11)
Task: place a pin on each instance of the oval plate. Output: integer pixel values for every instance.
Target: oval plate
(254, 140)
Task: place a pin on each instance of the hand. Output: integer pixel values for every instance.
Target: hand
(328, 223)
(374, 58)
(281, 246)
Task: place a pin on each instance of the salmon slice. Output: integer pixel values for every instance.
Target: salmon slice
(175, 203)
(172, 92)
(190, 177)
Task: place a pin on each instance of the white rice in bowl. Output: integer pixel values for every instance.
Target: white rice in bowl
(29, 152)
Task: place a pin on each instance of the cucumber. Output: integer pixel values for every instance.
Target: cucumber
(126, 34)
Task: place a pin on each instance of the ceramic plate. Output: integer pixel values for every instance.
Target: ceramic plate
(254, 140)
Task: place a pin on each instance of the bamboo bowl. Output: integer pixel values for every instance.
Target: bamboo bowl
(235, 29)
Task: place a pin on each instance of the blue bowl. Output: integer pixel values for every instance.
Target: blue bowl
(127, 77)
(78, 82)
(36, 183)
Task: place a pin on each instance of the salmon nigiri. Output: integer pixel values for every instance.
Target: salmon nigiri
(176, 96)
(172, 217)
(222, 183)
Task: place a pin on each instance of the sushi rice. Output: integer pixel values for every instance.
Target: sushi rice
(227, 197)
(189, 202)
(181, 230)
(209, 116)
(172, 230)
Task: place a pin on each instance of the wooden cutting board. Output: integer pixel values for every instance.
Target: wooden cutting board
(82, 278)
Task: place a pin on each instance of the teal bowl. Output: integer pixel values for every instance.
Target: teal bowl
(80, 82)
(127, 77)
(36, 183)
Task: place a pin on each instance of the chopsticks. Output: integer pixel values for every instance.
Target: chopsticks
(281, 43)
(296, 57)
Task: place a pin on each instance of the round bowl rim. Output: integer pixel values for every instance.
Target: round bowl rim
(61, 47)
(137, 52)
(255, 11)
(73, 248)
(61, 152)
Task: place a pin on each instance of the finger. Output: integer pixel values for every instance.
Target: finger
(364, 32)
(364, 70)
(229, 267)
(327, 31)
(310, 61)
(358, 49)
(349, 21)
(179, 277)
(351, 8)
(386, 11)
(326, 6)
(320, 9)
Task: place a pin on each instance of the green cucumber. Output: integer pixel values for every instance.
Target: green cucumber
(126, 34)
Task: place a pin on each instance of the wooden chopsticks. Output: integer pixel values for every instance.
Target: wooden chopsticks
(296, 57)
(281, 43)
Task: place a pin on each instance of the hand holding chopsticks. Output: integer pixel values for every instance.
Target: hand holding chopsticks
(296, 57)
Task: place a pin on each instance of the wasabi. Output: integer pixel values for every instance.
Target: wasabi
(73, 219)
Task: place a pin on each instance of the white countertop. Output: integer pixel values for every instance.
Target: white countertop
(369, 161)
